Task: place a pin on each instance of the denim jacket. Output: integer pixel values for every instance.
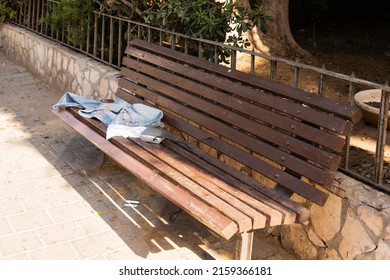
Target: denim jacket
(117, 113)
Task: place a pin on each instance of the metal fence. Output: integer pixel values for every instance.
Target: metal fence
(104, 37)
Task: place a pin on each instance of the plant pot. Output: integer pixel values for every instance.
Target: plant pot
(370, 113)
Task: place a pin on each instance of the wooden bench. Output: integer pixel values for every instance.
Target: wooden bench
(241, 149)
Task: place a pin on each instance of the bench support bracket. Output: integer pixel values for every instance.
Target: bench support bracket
(244, 246)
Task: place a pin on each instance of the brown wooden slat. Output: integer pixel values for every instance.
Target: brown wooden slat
(267, 170)
(151, 155)
(180, 178)
(275, 212)
(248, 109)
(197, 208)
(285, 105)
(345, 111)
(288, 181)
(281, 157)
(218, 188)
(291, 211)
(288, 142)
(309, 114)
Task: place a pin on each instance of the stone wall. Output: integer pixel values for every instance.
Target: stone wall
(60, 67)
(353, 224)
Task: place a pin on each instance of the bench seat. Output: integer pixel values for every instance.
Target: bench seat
(238, 146)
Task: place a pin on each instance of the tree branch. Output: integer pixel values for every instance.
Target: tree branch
(137, 10)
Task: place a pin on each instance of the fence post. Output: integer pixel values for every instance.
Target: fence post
(296, 76)
(382, 130)
(321, 82)
(272, 70)
(351, 93)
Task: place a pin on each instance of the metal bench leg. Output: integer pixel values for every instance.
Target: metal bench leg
(100, 163)
(96, 167)
(244, 246)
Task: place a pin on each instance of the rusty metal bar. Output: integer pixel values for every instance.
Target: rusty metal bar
(95, 35)
(160, 41)
(149, 35)
(173, 41)
(46, 24)
(88, 43)
(296, 77)
(103, 37)
(185, 45)
(128, 32)
(29, 21)
(253, 64)
(111, 44)
(42, 14)
(33, 16)
(119, 61)
(381, 138)
(233, 60)
(272, 69)
(347, 150)
(321, 88)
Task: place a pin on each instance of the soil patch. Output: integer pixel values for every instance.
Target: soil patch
(348, 50)
(361, 51)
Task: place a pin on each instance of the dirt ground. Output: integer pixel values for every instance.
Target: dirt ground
(344, 50)
(361, 51)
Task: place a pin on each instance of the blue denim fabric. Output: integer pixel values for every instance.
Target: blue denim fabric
(119, 112)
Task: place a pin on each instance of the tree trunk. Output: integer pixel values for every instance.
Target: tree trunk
(278, 40)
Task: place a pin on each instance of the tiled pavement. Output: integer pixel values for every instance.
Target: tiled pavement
(50, 208)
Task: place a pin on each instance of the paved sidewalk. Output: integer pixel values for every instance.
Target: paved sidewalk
(50, 208)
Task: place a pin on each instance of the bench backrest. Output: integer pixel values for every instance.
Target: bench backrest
(288, 138)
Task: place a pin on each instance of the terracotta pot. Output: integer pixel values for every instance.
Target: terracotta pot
(370, 113)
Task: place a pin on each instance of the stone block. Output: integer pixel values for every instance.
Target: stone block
(294, 239)
(383, 250)
(329, 254)
(326, 220)
(372, 219)
(354, 238)
(94, 76)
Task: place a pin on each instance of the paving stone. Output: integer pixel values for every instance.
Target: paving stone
(62, 232)
(98, 244)
(10, 207)
(4, 227)
(48, 185)
(56, 252)
(137, 252)
(17, 257)
(68, 212)
(30, 220)
(100, 222)
(40, 201)
(25, 176)
(19, 243)
(17, 191)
